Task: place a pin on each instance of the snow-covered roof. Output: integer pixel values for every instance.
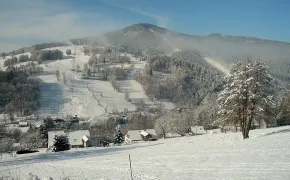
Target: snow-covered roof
(144, 133)
(76, 137)
(135, 135)
(51, 135)
(23, 123)
(198, 129)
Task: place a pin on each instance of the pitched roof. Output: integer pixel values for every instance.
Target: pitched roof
(198, 129)
(75, 137)
(135, 135)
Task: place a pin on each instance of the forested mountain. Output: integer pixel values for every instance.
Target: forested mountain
(225, 49)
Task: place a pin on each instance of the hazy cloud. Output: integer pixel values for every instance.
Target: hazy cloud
(160, 20)
(46, 21)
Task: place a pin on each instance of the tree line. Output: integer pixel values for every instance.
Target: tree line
(18, 93)
(190, 79)
(33, 48)
(38, 56)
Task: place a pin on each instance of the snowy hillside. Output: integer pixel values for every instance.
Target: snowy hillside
(266, 155)
(85, 98)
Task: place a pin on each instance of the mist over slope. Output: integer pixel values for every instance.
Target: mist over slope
(225, 49)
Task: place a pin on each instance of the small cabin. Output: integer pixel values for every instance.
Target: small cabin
(76, 139)
(197, 130)
(140, 135)
(23, 124)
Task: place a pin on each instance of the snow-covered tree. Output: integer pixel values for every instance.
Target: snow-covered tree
(48, 123)
(31, 141)
(119, 137)
(57, 74)
(162, 126)
(61, 143)
(6, 144)
(284, 108)
(247, 95)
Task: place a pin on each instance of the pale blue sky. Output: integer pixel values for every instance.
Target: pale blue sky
(26, 22)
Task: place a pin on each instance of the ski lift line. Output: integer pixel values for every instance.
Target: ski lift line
(99, 103)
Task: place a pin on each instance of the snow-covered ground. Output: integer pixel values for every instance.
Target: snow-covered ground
(217, 64)
(266, 155)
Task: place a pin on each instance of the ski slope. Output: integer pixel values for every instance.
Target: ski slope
(85, 98)
(266, 155)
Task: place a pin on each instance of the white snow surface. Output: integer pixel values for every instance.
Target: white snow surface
(266, 155)
(217, 64)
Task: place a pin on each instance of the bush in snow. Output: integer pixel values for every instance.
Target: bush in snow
(68, 52)
(61, 143)
(6, 144)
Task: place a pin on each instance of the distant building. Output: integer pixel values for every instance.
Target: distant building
(23, 124)
(76, 138)
(140, 135)
(79, 138)
(197, 130)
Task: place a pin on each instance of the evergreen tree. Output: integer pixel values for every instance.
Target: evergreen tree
(45, 127)
(248, 95)
(119, 137)
(61, 143)
(284, 114)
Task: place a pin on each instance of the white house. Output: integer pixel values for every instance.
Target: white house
(76, 138)
(79, 138)
(197, 130)
(140, 135)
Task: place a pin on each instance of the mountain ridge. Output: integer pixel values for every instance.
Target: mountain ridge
(139, 27)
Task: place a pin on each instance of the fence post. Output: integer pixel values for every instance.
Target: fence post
(131, 167)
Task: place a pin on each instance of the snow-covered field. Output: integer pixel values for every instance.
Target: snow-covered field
(266, 155)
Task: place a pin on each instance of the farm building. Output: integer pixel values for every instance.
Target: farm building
(79, 138)
(23, 124)
(76, 138)
(140, 135)
(197, 130)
